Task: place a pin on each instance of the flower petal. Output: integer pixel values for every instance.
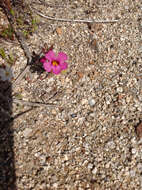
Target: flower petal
(56, 69)
(50, 55)
(62, 57)
(42, 60)
(47, 66)
(64, 66)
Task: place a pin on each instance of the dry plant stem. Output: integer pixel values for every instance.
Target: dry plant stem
(21, 75)
(48, 4)
(28, 55)
(18, 101)
(19, 35)
(27, 68)
(24, 46)
(33, 104)
(70, 20)
(21, 113)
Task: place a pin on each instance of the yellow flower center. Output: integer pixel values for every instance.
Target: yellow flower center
(55, 63)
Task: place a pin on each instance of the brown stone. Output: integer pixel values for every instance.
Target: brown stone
(59, 31)
(139, 130)
(91, 62)
(80, 74)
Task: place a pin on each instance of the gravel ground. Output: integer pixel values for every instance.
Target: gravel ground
(88, 140)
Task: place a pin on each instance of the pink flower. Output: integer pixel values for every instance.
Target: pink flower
(53, 63)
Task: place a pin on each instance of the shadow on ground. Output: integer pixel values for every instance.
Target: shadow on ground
(7, 168)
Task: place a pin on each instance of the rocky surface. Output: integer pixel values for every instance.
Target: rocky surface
(88, 140)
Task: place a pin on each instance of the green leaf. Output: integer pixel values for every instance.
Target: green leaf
(12, 12)
(20, 21)
(10, 59)
(7, 32)
(2, 53)
(26, 33)
(18, 96)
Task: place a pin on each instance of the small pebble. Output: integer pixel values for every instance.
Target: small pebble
(119, 89)
(140, 49)
(73, 115)
(111, 145)
(92, 102)
(94, 171)
(139, 166)
(59, 31)
(134, 151)
(84, 101)
(27, 132)
(42, 159)
(132, 173)
(90, 166)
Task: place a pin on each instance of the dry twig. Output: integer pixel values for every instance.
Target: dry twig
(70, 20)
(33, 104)
(24, 46)
(49, 4)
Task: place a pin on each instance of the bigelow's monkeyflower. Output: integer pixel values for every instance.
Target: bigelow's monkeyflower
(53, 63)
